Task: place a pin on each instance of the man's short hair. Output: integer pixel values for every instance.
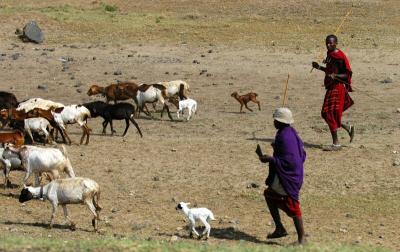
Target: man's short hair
(331, 36)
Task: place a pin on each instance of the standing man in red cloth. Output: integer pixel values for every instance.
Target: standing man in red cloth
(337, 83)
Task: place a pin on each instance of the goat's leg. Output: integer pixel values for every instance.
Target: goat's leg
(112, 129)
(27, 174)
(28, 131)
(53, 214)
(207, 228)
(126, 126)
(245, 104)
(83, 134)
(66, 215)
(169, 114)
(92, 209)
(87, 133)
(47, 136)
(177, 113)
(193, 229)
(66, 135)
(257, 102)
(136, 125)
(37, 181)
(7, 168)
(189, 114)
(104, 126)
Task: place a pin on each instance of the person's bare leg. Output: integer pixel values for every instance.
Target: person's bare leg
(280, 230)
(350, 130)
(298, 223)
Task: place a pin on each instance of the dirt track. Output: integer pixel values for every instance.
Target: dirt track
(348, 196)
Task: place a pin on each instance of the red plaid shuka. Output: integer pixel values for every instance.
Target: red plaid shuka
(337, 99)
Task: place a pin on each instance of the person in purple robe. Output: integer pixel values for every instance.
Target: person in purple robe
(286, 174)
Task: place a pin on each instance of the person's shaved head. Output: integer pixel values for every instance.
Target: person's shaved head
(331, 42)
(329, 37)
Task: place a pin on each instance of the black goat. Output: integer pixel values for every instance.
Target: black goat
(109, 112)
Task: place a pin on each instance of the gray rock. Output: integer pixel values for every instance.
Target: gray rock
(79, 90)
(118, 72)
(16, 56)
(42, 87)
(32, 33)
(387, 80)
(253, 185)
(156, 178)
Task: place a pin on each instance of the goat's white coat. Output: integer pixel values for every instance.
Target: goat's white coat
(38, 160)
(38, 125)
(8, 161)
(173, 86)
(32, 103)
(193, 214)
(189, 104)
(70, 191)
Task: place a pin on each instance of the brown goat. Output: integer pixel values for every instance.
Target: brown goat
(15, 137)
(113, 92)
(13, 114)
(244, 99)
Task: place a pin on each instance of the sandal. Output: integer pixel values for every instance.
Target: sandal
(277, 234)
(333, 147)
(351, 133)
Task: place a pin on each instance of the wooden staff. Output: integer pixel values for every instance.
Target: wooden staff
(336, 31)
(285, 93)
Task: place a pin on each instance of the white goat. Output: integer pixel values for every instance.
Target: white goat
(189, 104)
(32, 103)
(73, 114)
(38, 125)
(38, 160)
(67, 191)
(9, 161)
(202, 214)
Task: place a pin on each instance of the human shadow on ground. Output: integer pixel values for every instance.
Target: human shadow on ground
(10, 194)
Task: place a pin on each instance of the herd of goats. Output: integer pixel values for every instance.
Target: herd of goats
(43, 120)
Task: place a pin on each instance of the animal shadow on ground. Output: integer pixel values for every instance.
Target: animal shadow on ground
(9, 194)
(228, 233)
(42, 224)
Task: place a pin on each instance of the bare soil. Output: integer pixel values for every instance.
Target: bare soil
(351, 196)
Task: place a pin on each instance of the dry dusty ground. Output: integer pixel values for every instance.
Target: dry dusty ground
(348, 196)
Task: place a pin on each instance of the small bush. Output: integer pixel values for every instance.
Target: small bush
(110, 8)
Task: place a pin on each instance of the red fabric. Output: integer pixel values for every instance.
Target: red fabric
(336, 101)
(335, 57)
(290, 206)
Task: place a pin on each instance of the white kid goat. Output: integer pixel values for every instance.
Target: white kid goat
(189, 104)
(193, 214)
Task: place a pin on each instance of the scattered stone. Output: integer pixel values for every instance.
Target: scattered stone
(343, 230)
(73, 46)
(173, 199)
(16, 56)
(173, 150)
(72, 77)
(210, 51)
(277, 97)
(203, 71)
(114, 210)
(196, 62)
(348, 215)
(42, 87)
(174, 238)
(105, 73)
(179, 228)
(130, 55)
(396, 162)
(78, 90)
(203, 55)
(31, 33)
(49, 49)
(381, 237)
(166, 72)
(94, 58)
(230, 84)
(253, 185)
(156, 178)
(208, 75)
(387, 80)
(43, 54)
(395, 152)
(398, 110)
